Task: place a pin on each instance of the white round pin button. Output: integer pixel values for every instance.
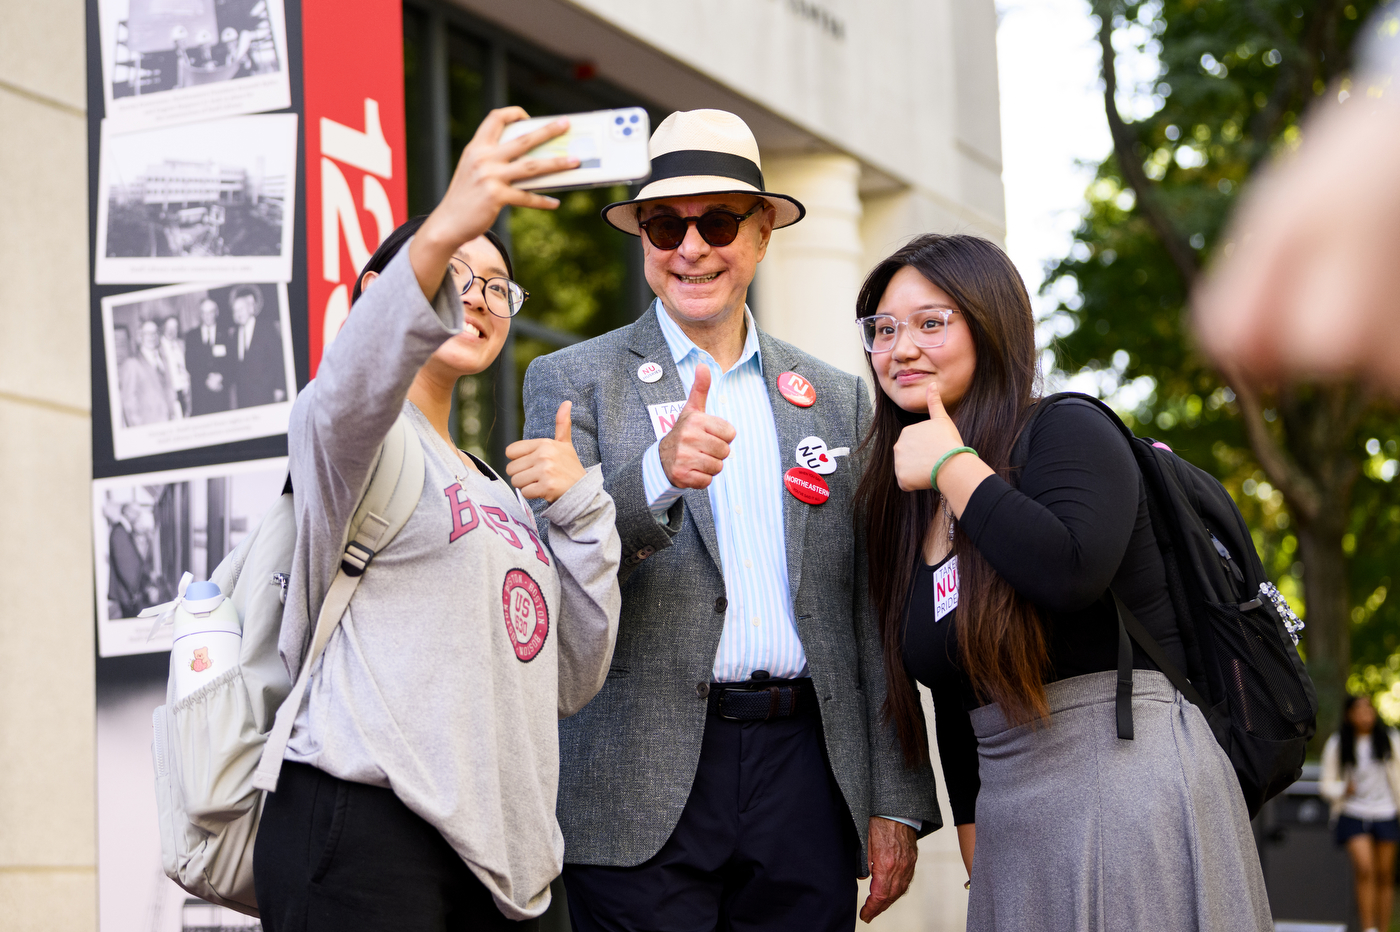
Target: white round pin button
(813, 454)
(649, 372)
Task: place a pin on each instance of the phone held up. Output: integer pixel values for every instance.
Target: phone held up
(610, 145)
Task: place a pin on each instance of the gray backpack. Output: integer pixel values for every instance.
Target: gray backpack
(218, 750)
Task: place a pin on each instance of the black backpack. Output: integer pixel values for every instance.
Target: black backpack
(1238, 632)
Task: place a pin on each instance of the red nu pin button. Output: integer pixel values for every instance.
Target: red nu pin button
(797, 390)
(806, 486)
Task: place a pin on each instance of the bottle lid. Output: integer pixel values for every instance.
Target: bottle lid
(201, 597)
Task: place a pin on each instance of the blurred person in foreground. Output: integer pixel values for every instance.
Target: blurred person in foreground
(1310, 283)
(1361, 779)
(732, 768)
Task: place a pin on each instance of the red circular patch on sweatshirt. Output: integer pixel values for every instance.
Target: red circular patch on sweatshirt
(527, 615)
(806, 485)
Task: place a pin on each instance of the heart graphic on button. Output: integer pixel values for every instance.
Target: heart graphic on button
(812, 453)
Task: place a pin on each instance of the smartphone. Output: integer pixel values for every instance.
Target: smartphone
(610, 145)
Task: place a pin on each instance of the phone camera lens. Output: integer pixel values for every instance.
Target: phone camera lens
(633, 119)
(618, 120)
(627, 131)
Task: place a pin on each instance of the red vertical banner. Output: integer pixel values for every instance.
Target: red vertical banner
(352, 67)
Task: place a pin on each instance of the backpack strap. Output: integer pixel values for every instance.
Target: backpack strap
(1129, 628)
(395, 486)
(1128, 625)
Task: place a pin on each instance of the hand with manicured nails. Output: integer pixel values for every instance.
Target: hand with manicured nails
(544, 468)
(693, 453)
(920, 445)
(480, 187)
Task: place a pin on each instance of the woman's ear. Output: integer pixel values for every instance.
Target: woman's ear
(366, 279)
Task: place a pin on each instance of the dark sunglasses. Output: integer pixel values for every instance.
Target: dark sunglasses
(718, 227)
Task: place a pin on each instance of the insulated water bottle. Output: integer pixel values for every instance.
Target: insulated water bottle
(208, 637)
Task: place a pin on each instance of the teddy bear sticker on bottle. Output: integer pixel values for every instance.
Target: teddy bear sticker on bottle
(207, 638)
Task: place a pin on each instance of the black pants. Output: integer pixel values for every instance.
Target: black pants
(336, 856)
(765, 842)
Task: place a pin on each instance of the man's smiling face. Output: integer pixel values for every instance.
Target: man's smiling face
(697, 282)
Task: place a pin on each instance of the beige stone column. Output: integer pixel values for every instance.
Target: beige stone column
(47, 706)
(807, 283)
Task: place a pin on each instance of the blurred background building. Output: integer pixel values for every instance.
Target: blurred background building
(880, 116)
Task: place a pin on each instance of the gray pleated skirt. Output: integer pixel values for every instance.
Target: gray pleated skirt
(1078, 831)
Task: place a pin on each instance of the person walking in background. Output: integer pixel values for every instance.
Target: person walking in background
(208, 361)
(260, 374)
(147, 395)
(172, 348)
(996, 596)
(734, 765)
(1361, 779)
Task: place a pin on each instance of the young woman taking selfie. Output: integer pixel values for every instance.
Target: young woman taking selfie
(990, 591)
(418, 790)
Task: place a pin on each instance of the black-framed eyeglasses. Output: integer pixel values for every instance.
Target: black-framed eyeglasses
(503, 297)
(717, 226)
(927, 328)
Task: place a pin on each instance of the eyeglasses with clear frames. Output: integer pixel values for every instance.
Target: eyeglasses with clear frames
(928, 329)
(503, 297)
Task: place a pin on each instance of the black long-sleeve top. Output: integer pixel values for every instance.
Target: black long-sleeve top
(1076, 525)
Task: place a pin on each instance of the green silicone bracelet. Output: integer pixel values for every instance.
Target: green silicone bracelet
(933, 473)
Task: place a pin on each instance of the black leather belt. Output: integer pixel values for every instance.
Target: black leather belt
(762, 700)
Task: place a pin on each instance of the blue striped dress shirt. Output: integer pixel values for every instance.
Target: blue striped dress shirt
(746, 498)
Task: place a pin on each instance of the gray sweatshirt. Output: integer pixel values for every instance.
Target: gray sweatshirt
(468, 637)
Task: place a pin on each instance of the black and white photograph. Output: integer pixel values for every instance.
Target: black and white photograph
(173, 61)
(134, 895)
(201, 202)
(150, 529)
(197, 365)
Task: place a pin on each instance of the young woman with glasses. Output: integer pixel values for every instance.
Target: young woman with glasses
(419, 786)
(989, 583)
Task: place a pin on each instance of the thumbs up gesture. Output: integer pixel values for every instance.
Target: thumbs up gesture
(544, 468)
(693, 453)
(921, 445)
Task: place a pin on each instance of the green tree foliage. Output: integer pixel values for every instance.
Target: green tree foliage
(1311, 467)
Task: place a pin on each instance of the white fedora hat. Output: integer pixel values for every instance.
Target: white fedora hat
(703, 152)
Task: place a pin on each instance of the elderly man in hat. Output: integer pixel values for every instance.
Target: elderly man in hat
(735, 770)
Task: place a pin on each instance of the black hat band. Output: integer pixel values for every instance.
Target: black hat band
(684, 162)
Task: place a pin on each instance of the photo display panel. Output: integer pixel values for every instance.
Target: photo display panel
(213, 125)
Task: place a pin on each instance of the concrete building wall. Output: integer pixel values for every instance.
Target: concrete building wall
(47, 826)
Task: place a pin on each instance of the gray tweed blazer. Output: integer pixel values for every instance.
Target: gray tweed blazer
(628, 759)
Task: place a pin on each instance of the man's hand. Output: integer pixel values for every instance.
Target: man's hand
(214, 382)
(544, 468)
(693, 453)
(893, 851)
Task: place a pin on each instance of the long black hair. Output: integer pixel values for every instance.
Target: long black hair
(1002, 643)
(1380, 735)
(394, 242)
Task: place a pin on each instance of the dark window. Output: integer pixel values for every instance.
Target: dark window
(584, 278)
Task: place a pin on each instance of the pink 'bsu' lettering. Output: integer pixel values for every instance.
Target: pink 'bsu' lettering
(460, 504)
